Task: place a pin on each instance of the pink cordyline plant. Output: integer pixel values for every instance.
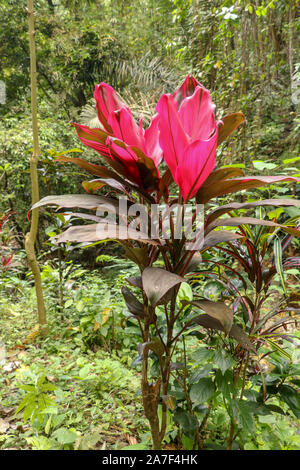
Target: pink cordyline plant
(185, 133)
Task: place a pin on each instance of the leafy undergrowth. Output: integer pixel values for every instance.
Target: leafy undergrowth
(77, 389)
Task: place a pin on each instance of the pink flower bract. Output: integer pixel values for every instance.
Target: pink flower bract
(188, 135)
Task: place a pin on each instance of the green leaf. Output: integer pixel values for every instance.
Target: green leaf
(187, 421)
(65, 436)
(84, 372)
(243, 412)
(260, 165)
(278, 263)
(202, 355)
(235, 165)
(185, 293)
(224, 383)
(28, 410)
(187, 442)
(51, 410)
(79, 306)
(27, 400)
(291, 160)
(48, 425)
(48, 387)
(200, 373)
(291, 398)
(27, 388)
(202, 391)
(223, 360)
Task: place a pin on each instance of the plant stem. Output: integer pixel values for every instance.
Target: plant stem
(30, 237)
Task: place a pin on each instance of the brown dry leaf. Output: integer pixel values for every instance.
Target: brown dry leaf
(170, 447)
(265, 366)
(32, 335)
(51, 378)
(97, 325)
(4, 425)
(13, 353)
(131, 439)
(6, 411)
(22, 354)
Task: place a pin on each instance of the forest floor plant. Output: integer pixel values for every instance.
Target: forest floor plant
(160, 229)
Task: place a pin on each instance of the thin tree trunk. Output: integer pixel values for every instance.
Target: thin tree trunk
(290, 43)
(30, 237)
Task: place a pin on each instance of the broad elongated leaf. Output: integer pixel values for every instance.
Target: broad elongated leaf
(84, 216)
(217, 310)
(222, 174)
(230, 123)
(93, 169)
(135, 282)
(226, 186)
(139, 255)
(96, 139)
(157, 282)
(148, 172)
(236, 221)
(235, 332)
(194, 263)
(104, 231)
(133, 304)
(219, 236)
(93, 185)
(291, 398)
(278, 263)
(85, 201)
(248, 205)
(186, 420)
(202, 391)
(155, 345)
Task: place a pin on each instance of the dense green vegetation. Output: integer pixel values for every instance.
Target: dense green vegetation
(246, 55)
(79, 388)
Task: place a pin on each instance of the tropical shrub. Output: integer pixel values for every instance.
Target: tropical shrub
(186, 134)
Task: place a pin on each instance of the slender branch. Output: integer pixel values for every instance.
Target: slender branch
(30, 237)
